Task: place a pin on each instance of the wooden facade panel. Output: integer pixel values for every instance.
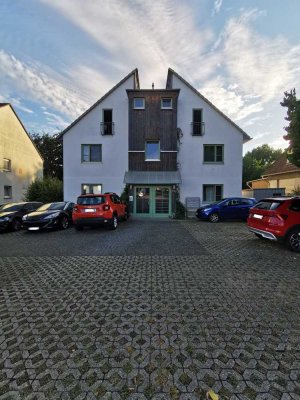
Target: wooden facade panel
(168, 162)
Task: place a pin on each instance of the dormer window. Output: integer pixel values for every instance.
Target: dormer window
(166, 104)
(139, 103)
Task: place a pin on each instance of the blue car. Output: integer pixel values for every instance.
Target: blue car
(229, 208)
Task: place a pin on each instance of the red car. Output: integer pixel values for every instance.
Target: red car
(99, 209)
(277, 218)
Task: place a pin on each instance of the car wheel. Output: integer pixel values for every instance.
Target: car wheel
(16, 224)
(214, 217)
(64, 223)
(293, 240)
(78, 227)
(114, 222)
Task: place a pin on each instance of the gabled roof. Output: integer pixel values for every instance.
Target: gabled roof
(135, 73)
(8, 104)
(169, 85)
(281, 166)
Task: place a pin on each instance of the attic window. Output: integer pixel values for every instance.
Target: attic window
(139, 103)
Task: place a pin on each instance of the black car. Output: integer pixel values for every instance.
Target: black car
(50, 215)
(11, 214)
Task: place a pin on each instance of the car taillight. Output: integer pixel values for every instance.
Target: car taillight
(277, 219)
(106, 207)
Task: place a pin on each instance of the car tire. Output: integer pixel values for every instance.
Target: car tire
(64, 222)
(214, 217)
(293, 240)
(114, 222)
(16, 224)
(78, 227)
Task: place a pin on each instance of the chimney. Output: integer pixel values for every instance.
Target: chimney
(152, 85)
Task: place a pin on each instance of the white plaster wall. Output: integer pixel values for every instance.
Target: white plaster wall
(218, 130)
(110, 172)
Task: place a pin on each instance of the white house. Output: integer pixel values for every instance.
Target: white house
(160, 142)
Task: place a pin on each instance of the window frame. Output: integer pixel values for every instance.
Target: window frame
(194, 122)
(214, 185)
(9, 196)
(89, 161)
(152, 141)
(139, 108)
(215, 153)
(107, 125)
(8, 169)
(91, 185)
(166, 108)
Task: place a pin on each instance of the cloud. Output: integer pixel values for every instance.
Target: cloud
(217, 6)
(15, 102)
(39, 86)
(55, 120)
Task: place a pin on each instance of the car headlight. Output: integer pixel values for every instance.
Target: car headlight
(50, 216)
(4, 219)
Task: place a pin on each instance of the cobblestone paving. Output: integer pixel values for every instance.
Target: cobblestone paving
(221, 312)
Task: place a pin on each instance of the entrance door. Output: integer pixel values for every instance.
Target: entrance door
(152, 201)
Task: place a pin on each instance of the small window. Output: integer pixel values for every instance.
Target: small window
(213, 153)
(268, 204)
(166, 104)
(91, 152)
(7, 192)
(91, 188)
(197, 124)
(6, 164)
(152, 151)
(212, 193)
(107, 126)
(139, 103)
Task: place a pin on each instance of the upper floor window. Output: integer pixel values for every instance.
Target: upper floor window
(6, 164)
(213, 153)
(91, 152)
(212, 193)
(7, 192)
(152, 150)
(91, 188)
(197, 124)
(139, 103)
(166, 104)
(107, 126)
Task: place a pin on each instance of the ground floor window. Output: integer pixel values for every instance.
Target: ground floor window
(7, 192)
(212, 193)
(91, 188)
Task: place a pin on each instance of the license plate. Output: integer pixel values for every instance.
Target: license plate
(90, 210)
(33, 228)
(258, 216)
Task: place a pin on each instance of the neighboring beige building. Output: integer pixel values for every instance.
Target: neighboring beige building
(281, 174)
(20, 161)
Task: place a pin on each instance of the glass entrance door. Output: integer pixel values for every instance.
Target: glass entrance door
(152, 201)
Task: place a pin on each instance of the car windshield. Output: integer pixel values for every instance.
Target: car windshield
(11, 207)
(52, 206)
(268, 204)
(91, 200)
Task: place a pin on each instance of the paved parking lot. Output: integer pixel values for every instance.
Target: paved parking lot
(154, 310)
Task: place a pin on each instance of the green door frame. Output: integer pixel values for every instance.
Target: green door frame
(152, 213)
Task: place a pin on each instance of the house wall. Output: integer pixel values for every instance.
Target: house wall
(290, 181)
(26, 163)
(260, 184)
(110, 172)
(218, 130)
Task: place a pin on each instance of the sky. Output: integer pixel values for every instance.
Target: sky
(57, 57)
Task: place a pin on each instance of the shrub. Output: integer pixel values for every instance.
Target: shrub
(125, 194)
(180, 211)
(47, 190)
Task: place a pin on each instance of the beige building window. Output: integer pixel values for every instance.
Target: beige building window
(6, 164)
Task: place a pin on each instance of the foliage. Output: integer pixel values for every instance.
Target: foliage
(180, 211)
(46, 190)
(293, 129)
(257, 160)
(296, 191)
(51, 150)
(125, 194)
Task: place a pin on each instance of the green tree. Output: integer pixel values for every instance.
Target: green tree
(257, 160)
(293, 129)
(52, 152)
(47, 190)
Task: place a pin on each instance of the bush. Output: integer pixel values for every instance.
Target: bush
(180, 211)
(125, 194)
(47, 190)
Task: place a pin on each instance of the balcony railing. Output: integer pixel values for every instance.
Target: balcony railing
(197, 128)
(107, 128)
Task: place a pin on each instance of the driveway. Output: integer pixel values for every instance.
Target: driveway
(154, 310)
